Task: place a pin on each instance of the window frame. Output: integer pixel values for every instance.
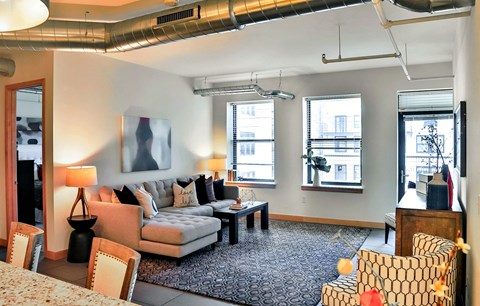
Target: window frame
(234, 142)
(353, 143)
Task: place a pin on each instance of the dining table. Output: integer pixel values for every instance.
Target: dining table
(19, 286)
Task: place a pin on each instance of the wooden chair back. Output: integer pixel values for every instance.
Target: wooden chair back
(112, 269)
(24, 245)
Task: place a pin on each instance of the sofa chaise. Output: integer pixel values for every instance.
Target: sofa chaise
(173, 232)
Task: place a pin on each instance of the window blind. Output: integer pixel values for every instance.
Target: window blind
(425, 100)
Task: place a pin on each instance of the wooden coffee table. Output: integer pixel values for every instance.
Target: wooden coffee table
(233, 215)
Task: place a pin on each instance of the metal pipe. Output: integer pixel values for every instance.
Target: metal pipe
(357, 58)
(392, 23)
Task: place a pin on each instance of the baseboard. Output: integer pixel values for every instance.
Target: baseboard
(3, 242)
(56, 255)
(325, 221)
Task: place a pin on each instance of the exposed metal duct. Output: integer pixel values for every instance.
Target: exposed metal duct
(244, 89)
(193, 20)
(7, 67)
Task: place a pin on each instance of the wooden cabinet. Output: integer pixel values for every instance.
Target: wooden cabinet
(412, 217)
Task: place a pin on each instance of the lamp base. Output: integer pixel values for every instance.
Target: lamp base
(81, 238)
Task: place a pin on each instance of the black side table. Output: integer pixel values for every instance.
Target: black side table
(80, 242)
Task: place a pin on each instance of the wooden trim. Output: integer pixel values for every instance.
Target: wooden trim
(282, 217)
(251, 184)
(11, 154)
(56, 255)
(333, 189)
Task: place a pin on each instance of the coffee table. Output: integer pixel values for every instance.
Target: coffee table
(233, 215)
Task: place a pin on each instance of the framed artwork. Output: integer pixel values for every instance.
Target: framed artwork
(29, 131)
(146, 144)
(460, 136)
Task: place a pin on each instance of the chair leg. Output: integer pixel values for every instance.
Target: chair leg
(387, 228)
(213, 246)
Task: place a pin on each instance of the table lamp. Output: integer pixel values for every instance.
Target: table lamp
(81, 177)
(216, 164)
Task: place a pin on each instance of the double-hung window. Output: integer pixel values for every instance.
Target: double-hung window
(251, 150)
(333, 129)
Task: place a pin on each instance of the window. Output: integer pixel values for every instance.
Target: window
(328, 119)
(251, 149)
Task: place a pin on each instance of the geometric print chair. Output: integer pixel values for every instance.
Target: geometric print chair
(407, 279)
(112, 269)
(24, 245)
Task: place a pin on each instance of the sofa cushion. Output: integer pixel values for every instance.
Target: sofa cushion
(179, 229)
(183, 197)
(220, 204)
(126, 196)
(201, 210)
(105, 194)
(162, 191)
(201, 188)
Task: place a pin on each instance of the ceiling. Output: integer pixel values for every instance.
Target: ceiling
(293, 45)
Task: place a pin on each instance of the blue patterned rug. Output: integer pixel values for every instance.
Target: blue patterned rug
(285, 265)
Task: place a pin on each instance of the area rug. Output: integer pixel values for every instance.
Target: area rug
(285, 265)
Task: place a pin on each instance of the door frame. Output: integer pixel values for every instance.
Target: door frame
(401, 146)
(11, 152)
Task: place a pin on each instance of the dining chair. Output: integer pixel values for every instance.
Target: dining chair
(112, 269)
(24, 245)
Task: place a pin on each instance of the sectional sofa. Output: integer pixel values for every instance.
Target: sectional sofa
(173, 232)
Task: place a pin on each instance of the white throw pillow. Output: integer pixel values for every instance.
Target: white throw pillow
(146, 201)
(183, 197)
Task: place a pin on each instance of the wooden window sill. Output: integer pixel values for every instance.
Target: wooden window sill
(247, 184)
(344, 189)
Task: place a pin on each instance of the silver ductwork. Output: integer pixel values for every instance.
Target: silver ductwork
(244, 89)
(193, 20)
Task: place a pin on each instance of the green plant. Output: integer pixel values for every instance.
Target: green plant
(316, 162)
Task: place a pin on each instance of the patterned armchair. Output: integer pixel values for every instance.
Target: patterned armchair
(407, 279)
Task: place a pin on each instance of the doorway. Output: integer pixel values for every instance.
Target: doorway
(24, 162)
(416, 124)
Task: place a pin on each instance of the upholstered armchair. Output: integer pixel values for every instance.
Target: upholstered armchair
(407, 279)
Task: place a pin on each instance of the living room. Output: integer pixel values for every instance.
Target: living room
(87, 94)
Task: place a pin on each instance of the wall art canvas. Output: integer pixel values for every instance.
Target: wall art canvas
(146, 144)
(460, 132)
(29, 131)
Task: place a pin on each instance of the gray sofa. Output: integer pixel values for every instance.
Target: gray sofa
(173, 232)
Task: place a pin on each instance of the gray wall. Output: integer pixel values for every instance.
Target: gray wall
(378, 88)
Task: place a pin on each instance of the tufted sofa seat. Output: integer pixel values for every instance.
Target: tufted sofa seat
(173, 232)
(407, 279)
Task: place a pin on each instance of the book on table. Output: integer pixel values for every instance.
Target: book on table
(237, 206)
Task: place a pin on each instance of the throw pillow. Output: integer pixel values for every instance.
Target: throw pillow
(115, 198)
(210, 191)
(201, 189)
(183, 197)
(126, 196)
(218, 189)
(146, 201)
(184, 184)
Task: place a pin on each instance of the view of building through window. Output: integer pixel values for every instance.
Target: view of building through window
(251, 133)
(333, 130)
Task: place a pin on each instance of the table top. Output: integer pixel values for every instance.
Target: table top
(252, 205)
(23, 287)
(415, 200)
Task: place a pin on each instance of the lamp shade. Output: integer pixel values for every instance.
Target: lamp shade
(216, 164)
(22, 14)
(82, 176)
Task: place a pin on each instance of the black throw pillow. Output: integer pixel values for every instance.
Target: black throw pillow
(126, 196)
(218, 189)
(210, 191)
(201, 189)
(184, 184)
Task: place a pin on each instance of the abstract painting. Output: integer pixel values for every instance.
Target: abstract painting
(146, 144)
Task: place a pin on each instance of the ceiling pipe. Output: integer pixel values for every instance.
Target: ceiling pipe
(392, 23)
(182, 22)
(357, 58)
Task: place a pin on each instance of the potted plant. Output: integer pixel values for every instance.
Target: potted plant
(317, 163)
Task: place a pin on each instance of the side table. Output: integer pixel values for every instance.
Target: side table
(80, 242)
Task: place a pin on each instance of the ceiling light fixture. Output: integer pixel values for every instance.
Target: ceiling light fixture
(22, 14)
(244, 89)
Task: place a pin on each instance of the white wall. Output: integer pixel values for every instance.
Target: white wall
(91, 93)
(467, 75)
(378, 88)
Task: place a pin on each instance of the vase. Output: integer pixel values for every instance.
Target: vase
(316, 177)
(437, 193)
